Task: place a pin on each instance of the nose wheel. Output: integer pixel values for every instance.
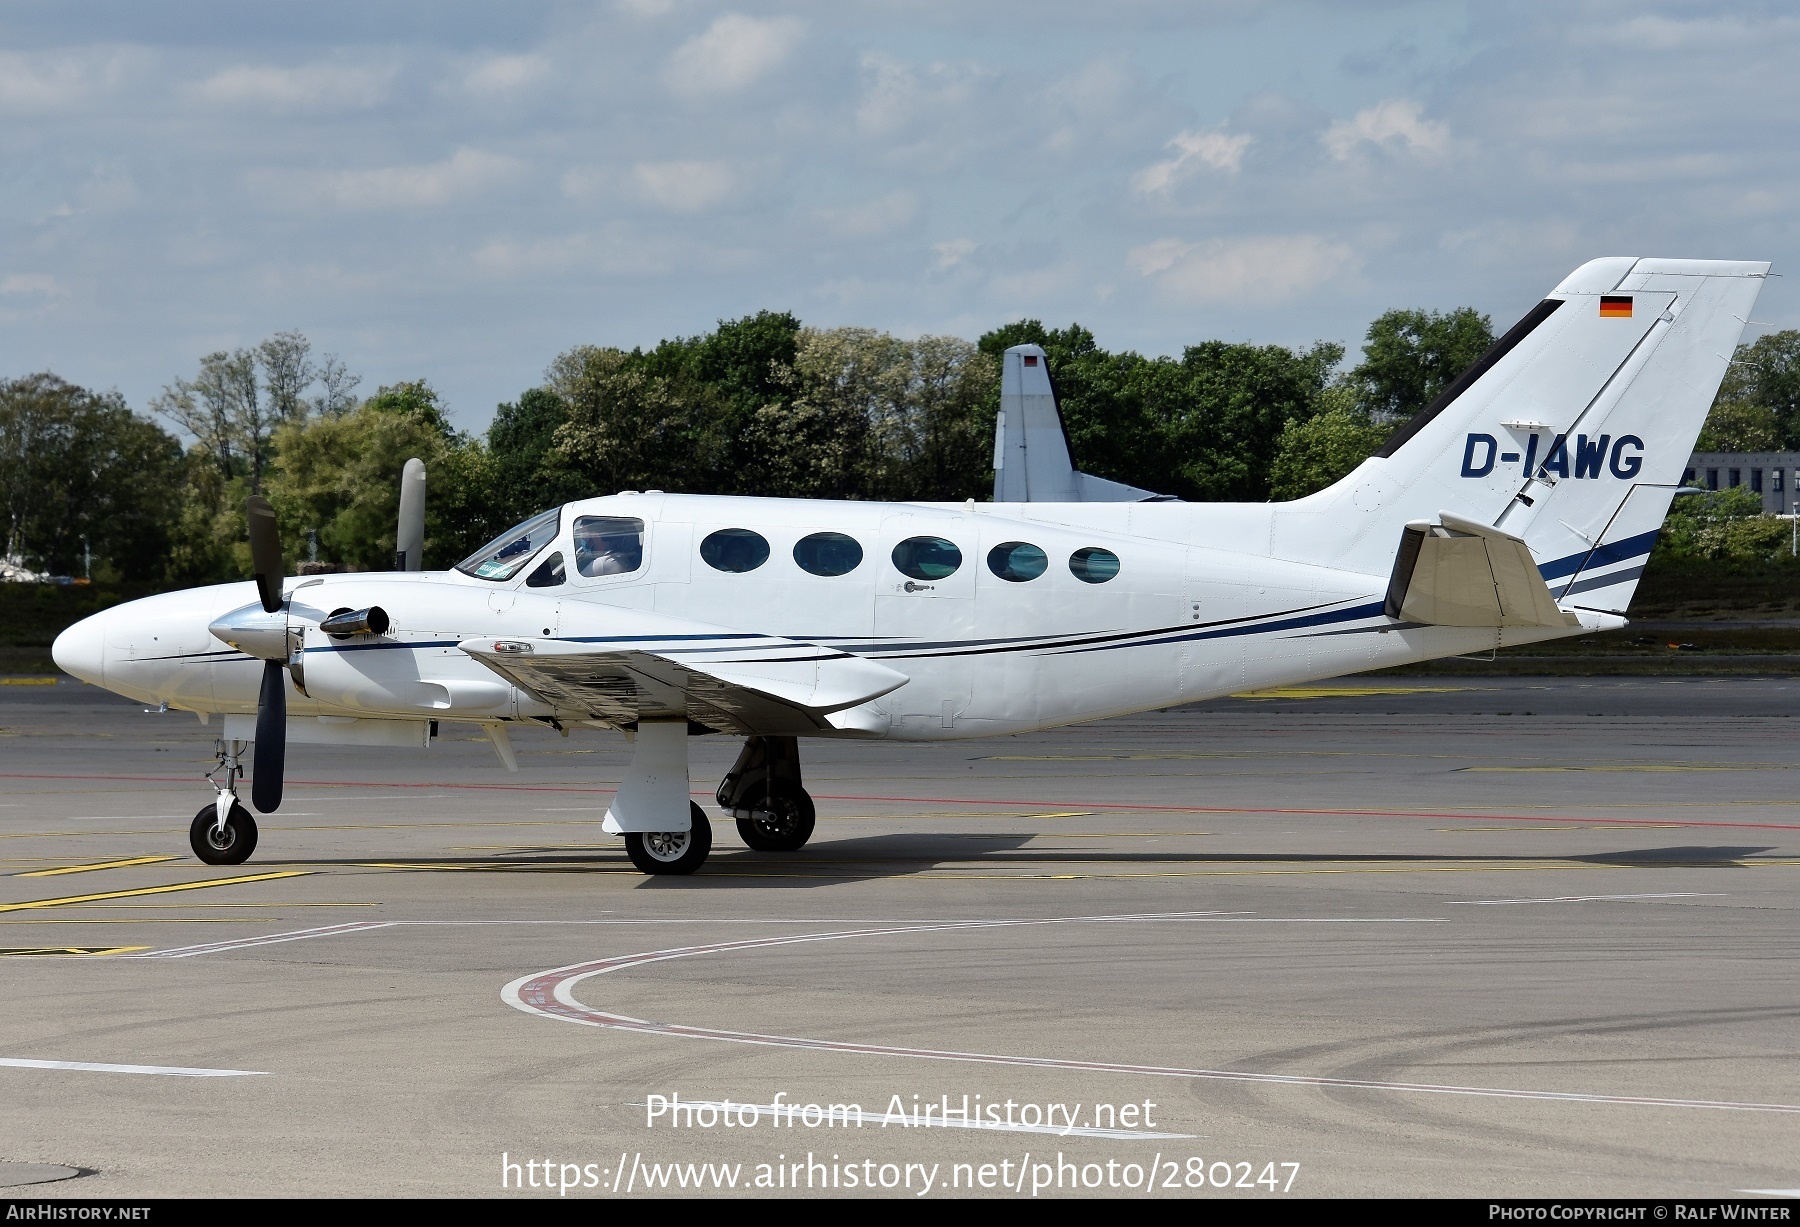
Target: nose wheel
(223, 843)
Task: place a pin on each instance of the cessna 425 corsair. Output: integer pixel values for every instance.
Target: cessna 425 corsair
(1519, 506)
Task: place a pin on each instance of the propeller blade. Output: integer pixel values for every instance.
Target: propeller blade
(409, 538)
(271, 740)
(265, 552)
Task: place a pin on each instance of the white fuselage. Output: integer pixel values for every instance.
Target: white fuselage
(1194, 611)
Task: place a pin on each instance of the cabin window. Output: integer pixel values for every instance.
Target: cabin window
(827, 554)
(927, 558)
(735, 550)
(1093, 565)
(608, 545)
(548, 574)
(506, 555)
(1017, 561)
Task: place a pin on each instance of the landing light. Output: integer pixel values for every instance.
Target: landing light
(512, 647)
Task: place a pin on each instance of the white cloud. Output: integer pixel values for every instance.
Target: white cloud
(308, 87)
(1257, 271)
(734, 52)
(1397, 122)
(947, 255)
(505, 75)
(873, 218)
(464, 173)
(1193, 150)
(685, 187)
(31, 285)
(897, 95)
(47, 81)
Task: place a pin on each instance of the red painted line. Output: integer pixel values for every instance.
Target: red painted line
(1063, 803)
(550, 994)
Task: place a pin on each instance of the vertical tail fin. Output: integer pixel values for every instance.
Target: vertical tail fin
(1572, 432)
(1031, 445)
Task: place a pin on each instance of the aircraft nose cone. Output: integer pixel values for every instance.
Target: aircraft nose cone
(81, 650)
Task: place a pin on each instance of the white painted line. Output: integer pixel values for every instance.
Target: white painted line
(100, 1067)
(1772, 1192)
(551, 994)
(270, 939)
(859, 1118)
(1679, 894)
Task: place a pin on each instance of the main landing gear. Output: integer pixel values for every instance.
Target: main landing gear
(672, 851)
(224, 833)
(763, 792)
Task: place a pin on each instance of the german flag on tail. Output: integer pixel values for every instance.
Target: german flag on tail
(1615, 306)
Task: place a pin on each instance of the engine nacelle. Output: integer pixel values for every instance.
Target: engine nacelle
(394, 678)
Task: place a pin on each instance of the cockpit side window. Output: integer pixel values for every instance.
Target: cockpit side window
(608, 545)
(507, 554)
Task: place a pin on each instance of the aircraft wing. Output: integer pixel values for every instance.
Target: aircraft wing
(1461, 572)
(748, 684)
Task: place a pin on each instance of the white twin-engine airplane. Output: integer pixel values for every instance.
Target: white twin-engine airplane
(1519, 506)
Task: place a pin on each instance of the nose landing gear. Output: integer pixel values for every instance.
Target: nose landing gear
(762, 791)
(224, 833)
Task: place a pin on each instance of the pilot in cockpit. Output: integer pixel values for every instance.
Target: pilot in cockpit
(607, 546)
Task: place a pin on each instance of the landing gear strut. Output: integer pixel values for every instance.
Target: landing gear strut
(224, 833)
(763, 792)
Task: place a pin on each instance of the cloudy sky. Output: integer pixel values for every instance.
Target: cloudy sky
(458, 190)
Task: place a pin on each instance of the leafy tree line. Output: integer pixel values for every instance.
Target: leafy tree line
(759, 405)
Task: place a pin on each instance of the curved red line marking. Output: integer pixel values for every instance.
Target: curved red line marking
(550, 994)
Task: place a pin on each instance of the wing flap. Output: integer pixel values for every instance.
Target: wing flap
(770, 686)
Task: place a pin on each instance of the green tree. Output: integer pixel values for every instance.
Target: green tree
(79, 467)
(1206, 426)
(1766, 373)
(631, 427)
(1410, 356)
(528, 473)
(1740, 426)
(340, 476)
(1315, 452)
(1722, 525)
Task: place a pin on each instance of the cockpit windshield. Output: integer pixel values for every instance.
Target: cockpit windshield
(502, 557)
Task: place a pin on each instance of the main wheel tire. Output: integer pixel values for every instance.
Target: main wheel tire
(231, 845)
(672, 851)
(784, 827)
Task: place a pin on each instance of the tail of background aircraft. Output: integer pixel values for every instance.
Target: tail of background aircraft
(1031, 444)
(1572, 433)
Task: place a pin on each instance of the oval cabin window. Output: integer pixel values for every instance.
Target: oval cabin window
(827, 554)
(1017, 561)
(1093, 565)
(927, 558)
(734, 549)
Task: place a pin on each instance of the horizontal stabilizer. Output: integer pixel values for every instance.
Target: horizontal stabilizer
(1460, 572)
(749, 684)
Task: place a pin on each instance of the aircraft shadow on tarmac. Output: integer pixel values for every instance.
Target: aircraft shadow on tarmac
(900, 855)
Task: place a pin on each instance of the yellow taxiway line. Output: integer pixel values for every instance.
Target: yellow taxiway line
(66, 900)
(136, 860)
